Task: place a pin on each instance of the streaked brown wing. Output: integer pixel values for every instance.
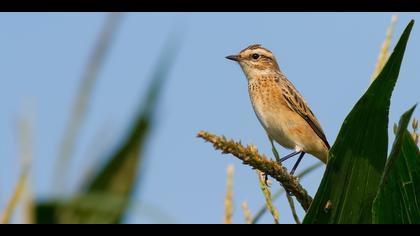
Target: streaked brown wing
(296, 102)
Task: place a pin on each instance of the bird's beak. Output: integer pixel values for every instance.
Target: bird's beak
(233, 57)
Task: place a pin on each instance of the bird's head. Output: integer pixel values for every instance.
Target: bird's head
(256, 60)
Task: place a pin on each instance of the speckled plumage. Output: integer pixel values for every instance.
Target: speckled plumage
(280, 108)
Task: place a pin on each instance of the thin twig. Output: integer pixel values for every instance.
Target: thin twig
(250, 156)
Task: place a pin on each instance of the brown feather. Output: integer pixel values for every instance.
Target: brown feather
(299, 106)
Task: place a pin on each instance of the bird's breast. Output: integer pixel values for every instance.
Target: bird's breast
(272, 111)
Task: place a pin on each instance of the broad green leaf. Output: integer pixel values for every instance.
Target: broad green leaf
(357, 158)
(118, 176)
(398, 199)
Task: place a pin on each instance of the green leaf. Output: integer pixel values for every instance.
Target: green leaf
(118, 177)
(357, 158)
(111, 188)
(398, 199)
(46, 212)
(80, 107)
(84, 208)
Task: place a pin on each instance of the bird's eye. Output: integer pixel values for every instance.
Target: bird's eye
(255, 56)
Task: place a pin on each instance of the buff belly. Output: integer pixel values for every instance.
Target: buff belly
(289, 129)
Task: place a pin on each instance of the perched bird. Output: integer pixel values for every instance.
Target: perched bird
(280, 108)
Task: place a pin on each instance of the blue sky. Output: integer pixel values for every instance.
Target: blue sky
(328, 56)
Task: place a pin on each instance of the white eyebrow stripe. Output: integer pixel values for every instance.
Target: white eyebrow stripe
(261, 51)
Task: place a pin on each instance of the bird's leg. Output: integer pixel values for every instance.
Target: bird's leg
(294, 169)
(288, 156)
(297, 163)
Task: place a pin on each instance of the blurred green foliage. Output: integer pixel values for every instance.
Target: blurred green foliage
(106, 197)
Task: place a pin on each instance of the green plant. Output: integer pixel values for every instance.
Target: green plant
(106, 196)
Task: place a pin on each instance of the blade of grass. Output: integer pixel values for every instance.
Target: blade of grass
(97, 149)
(80, 106)
(144, 120)
(119, 175)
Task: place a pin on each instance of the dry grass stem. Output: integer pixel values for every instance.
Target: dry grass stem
(384, 53)
(14, 199)
(229, 196)
(247, 212)
(267, 195)
(415, 135)
(277, 194)
(293, 209)
(25, 138)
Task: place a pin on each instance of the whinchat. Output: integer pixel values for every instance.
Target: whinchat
(279, 107)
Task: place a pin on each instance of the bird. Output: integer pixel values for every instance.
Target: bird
(279, 107)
